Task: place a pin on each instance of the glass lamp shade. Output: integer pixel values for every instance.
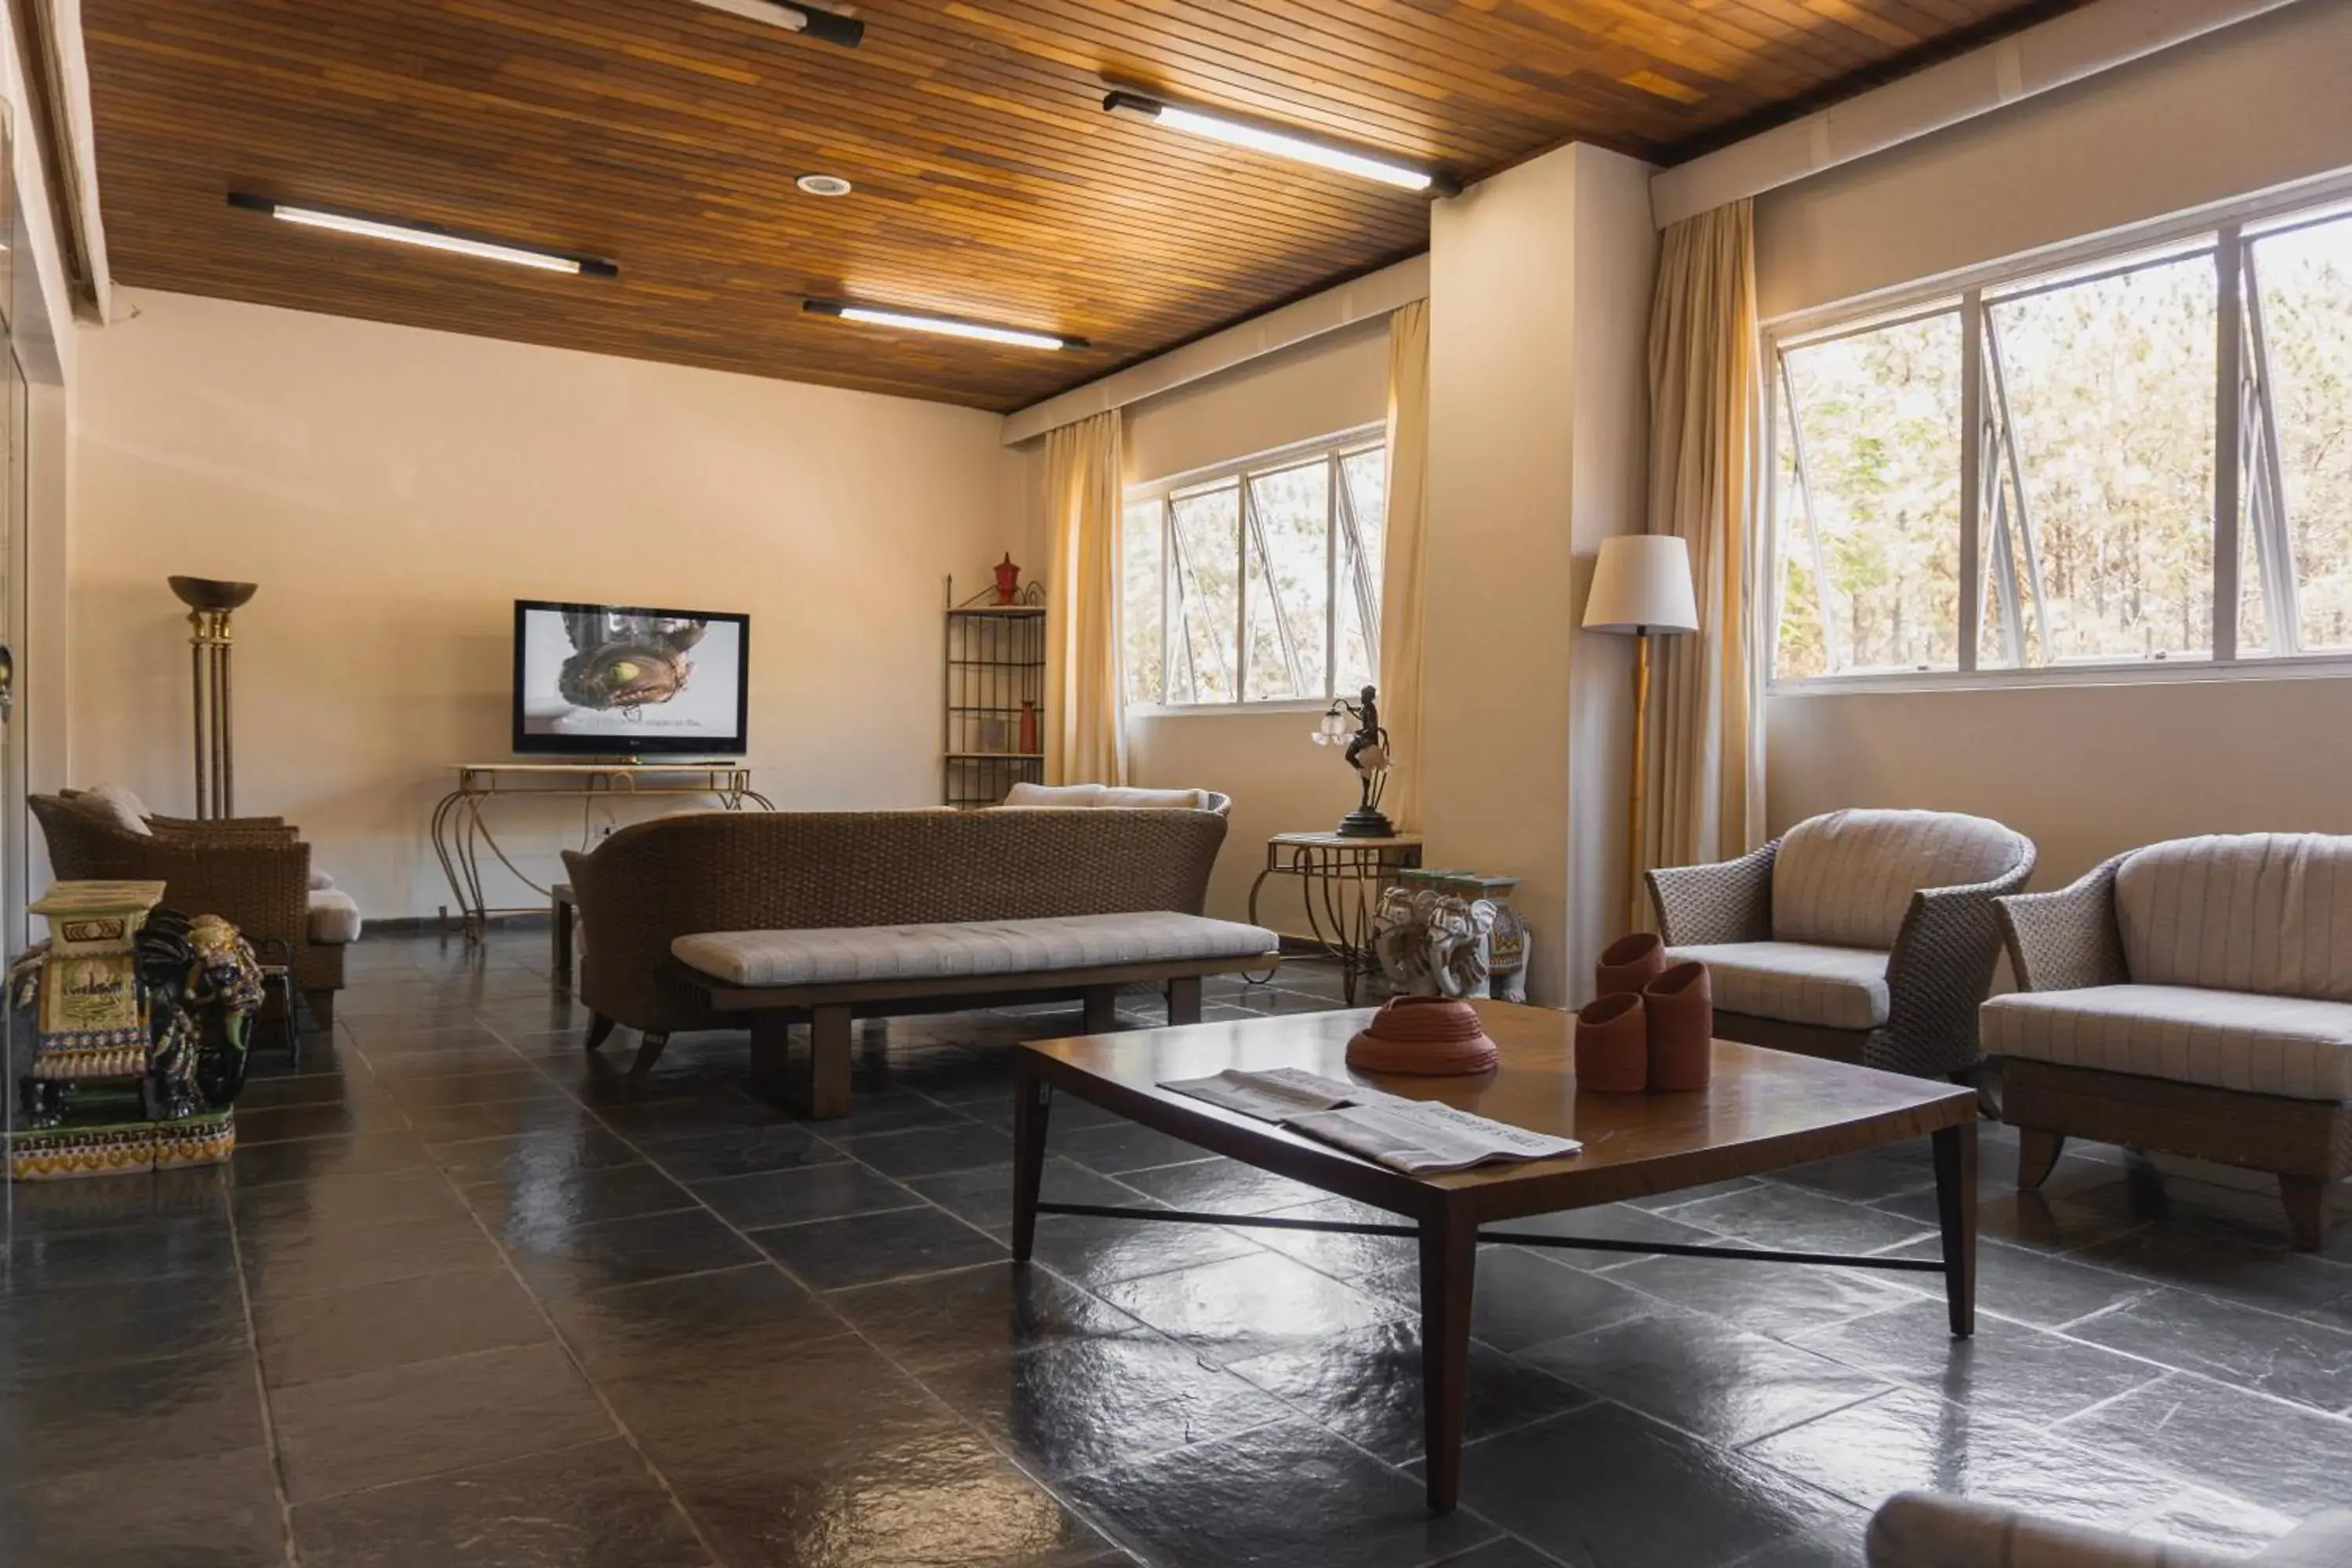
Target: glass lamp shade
(1332, 729)
(1642, 582)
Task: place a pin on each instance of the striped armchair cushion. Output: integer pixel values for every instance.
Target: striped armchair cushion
(2290, 1045)
(2267, 912)
(1831, 987)
(1845, 879)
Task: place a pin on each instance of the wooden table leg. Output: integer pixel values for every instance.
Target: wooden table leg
(1449, 1264)
(1033, 1100)
(1956, 1207)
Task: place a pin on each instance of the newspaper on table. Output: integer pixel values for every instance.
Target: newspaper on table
(1416, 1136)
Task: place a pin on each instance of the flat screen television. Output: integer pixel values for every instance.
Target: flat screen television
(626, 681)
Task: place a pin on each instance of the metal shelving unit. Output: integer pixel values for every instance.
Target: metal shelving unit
(992, 736)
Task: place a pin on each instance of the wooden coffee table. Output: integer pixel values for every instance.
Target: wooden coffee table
(1766, 1110)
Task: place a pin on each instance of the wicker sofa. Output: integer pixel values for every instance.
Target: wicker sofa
(252, 871)
(1928, 1530)
(2193, 997)
(1864, 936)
(727, 889)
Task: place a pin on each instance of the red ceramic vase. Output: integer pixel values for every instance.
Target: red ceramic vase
(1631, 962)
(1425, 1034)
(1612, 1045)
(1680, 1004)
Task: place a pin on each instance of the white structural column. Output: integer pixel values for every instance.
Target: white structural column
(1539, 299)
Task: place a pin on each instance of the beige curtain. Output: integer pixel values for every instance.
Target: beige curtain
(1401, 572)
(1086, 717)
(1707, 768)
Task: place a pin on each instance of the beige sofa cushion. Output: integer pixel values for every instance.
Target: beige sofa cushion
(945, 951)
(1845, 879)
(2268, 912)
(1797, 983)
(2290, 1045)
(1132, 799)
(335, 917)
(115, 805)
(1059, 796)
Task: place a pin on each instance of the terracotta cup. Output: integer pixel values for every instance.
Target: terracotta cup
(1680, 1005)
(1612, 1045)
(1630, 963)
(1431, 1035)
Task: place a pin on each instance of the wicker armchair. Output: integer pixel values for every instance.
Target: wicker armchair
(1864, 936)
(2193, 997)
(254, 872)
(1928, 1530)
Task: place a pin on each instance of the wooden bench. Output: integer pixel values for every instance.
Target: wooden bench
(1173, 952)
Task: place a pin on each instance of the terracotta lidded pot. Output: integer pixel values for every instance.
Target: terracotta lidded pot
(1680, 1008)
(1426, 1035)
(1631, 962)
(1612, 1045)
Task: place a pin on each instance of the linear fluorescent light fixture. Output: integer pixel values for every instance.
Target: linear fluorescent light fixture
(1240, 133)
(947, 326)
(828, 26)
(431, 236)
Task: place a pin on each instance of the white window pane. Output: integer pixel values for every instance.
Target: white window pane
(1802, 647)
(1879, 417)
(2305, 301)
(2110, 384)
(1140, 562)
(1205, 592)
(1358, 607)
(1289, 581)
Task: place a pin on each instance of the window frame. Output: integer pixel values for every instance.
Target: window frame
(2225, 229)
(1332, 451)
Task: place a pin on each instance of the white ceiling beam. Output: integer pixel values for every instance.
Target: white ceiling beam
(2067, 48)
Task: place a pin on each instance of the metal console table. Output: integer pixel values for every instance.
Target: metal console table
(461, 832)
(1341, 879)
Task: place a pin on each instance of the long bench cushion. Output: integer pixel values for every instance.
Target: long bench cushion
(844, 954)
(2246, 911)
(1795, 982)
(2290, 1045)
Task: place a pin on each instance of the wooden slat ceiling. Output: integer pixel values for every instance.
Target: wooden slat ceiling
(990, 184)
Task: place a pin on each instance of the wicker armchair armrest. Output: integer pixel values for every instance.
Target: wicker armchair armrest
(2066, 940)
(1940, 972)
(215, 829)
(1730, 900)
(1928, 1529)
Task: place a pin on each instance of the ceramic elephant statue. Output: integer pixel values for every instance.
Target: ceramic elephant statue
(1433, 945)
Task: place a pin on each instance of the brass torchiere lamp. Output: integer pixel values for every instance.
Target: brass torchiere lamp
(209, 603)
(1642, 587)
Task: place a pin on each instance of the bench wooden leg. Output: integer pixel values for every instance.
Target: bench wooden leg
(2306, 1210)
(600, 1030)
(1102, 1009)
(2037, 1155)
(1184, 1000)
(828, 1071)
(772, 1055)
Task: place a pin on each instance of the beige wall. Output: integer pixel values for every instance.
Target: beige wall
(2253, 106)
(2085, 772)
(2085, 769)
(1280, 780)
(1538, 277)
(392, 490)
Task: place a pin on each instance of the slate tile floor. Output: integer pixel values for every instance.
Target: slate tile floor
(467, 1297)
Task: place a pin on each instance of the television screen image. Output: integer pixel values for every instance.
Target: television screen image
(626, 681)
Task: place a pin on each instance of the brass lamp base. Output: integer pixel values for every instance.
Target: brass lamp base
(1366, 823)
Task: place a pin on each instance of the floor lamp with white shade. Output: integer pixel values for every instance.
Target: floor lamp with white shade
(1640, 587)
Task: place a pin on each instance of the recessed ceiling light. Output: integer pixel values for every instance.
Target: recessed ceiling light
(1240, 133)
(824, 184)
(431, 236)
(833, 26)
(947, 326)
